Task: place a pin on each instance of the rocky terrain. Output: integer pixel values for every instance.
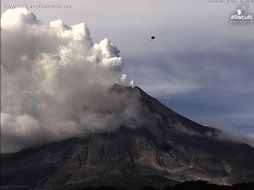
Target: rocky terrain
(170, 150)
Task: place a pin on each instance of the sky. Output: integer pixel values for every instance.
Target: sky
(199, 64)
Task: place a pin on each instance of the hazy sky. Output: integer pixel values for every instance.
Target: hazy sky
(199, 64)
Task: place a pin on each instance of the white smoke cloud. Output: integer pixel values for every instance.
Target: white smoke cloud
(132, 84)
(55, 82)
(229, 135)
(124, 78)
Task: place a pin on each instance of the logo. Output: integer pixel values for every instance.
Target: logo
(241, 16)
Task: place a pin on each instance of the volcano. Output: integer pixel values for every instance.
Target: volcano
(172, 150)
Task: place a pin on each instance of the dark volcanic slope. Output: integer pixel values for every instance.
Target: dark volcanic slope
(172, 149)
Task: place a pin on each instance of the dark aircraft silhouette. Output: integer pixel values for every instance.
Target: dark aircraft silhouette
(152, 37)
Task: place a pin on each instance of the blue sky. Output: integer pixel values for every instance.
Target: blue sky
(200, 64)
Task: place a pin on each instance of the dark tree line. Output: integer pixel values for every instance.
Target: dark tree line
(190, 185)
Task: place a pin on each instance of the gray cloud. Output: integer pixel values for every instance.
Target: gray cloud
(199, 64)
(228, 135)
(207, 84)
(56, 81)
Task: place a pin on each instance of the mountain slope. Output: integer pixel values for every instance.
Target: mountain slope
(170, 150)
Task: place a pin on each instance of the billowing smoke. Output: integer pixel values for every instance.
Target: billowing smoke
(132, 83)
(56, 81)
(124, 78)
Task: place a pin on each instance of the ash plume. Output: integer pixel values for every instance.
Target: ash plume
(55, 82)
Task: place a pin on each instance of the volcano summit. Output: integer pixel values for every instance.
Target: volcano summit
(169, 150)
(69, 120)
